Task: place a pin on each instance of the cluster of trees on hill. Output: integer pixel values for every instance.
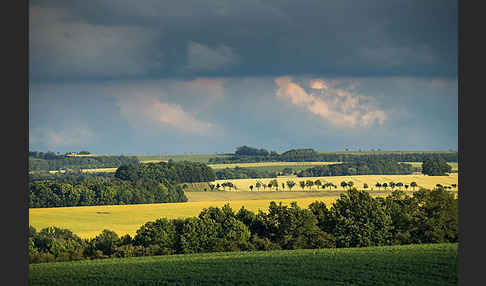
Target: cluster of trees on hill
(131, 184)
(102, 191)
(435, 166)
(250, 154)
(243, 173)
(364, 166)
(174, 172)
(39, 161)
(355, 220)
(250, 151)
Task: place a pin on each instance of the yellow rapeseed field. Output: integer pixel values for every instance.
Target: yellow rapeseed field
(424, 181)
(89, 221)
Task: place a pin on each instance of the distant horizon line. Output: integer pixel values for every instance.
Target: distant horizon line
(232, 153)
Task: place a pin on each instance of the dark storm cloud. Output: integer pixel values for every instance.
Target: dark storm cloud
(207, 76)
(126, 39)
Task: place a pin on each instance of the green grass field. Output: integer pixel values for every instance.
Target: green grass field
(427, 264)
(202, 158)
(266, 166)
(270, 164)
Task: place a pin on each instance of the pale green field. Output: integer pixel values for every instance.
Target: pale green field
(94, 170)
(424, 181)
(203, 158)
(108, 170)
(454, 165)
(269, 164)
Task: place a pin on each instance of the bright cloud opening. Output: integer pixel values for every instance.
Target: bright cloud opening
(144, 110)
(340, 107)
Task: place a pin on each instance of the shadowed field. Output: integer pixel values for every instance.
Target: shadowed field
(427, 264)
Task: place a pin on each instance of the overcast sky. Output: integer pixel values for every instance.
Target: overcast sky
(174, 77)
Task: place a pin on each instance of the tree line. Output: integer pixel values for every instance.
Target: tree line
(363, 166)
(245, 154)
(131, 184)
(356, 219)
(174, 172)
(244, 173)
(50, 161)
(102, 191)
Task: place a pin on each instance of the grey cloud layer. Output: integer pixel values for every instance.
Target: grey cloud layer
(217, 114)
(206, 76)
(242, 38)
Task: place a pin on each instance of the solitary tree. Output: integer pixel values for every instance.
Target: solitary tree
(309, 183)
(302, 184)
(251, 187)
(365, 186)
(290, 184)
(413, 185)
(350, 184)
(344, 184)
(385, 185)
(258, 184)
(399, 185)
(392, 185)
(273, 183)
(378, 185)
(406, 186)
(318, 183)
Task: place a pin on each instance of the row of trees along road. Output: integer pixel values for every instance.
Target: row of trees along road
(309, 184)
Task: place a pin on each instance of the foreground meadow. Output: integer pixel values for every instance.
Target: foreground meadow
(427, 264)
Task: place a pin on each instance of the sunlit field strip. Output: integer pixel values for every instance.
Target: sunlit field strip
(454, 165)
(268, 164)
(89, 221)
(424, 181)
